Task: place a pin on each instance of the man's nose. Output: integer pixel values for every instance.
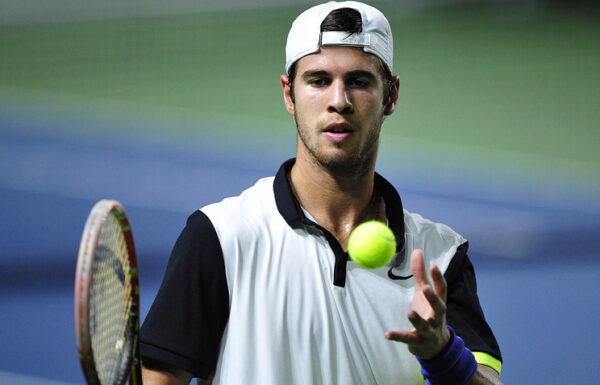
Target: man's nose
(340, 98)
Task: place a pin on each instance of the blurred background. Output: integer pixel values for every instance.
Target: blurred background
(168, 106)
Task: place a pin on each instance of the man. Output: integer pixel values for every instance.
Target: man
(259, 288)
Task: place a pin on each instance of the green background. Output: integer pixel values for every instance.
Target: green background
(511, 79)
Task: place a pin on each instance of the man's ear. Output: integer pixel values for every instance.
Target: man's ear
(390, 106)
(287, 95)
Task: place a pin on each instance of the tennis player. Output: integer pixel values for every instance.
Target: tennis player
(259, 288)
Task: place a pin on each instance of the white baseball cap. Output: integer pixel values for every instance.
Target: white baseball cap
(305, 36)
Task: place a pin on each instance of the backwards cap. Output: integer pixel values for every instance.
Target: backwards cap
(305, 36)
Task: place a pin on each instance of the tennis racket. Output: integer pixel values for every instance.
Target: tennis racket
(107, 298)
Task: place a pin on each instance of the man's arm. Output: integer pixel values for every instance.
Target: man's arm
(430, 334)
(485, 376)
(154, 373)
(184, 325)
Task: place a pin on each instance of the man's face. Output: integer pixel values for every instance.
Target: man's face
(339, 107)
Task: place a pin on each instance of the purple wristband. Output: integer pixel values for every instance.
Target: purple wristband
(455, 365)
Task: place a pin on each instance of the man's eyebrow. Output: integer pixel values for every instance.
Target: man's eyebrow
(313, 73)
(362, 74)
(354, 74)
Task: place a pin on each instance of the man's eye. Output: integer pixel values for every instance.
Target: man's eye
(358, 83)
(318, 82)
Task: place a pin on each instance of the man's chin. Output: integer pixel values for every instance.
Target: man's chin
(343, 163)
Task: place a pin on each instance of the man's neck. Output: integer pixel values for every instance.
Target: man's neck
(337, 201)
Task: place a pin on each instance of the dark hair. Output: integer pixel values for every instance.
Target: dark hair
(343, 19)
(346, 20)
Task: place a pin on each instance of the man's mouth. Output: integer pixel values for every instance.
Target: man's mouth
(338, 132)
(338, 128)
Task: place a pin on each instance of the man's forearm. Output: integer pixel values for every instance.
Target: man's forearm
(165, 376)
(485, 376)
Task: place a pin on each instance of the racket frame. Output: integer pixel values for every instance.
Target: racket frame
(83, 280)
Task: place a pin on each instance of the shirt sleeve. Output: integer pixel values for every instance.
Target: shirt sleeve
(186, 321)
(464, 311)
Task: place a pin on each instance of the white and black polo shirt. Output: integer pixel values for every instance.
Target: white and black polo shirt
(255, 292)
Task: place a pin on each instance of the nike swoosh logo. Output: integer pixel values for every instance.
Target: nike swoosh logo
(397, 277)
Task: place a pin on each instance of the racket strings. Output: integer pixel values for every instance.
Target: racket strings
(110, 302)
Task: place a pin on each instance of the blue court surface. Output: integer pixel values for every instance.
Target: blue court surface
(537, 260)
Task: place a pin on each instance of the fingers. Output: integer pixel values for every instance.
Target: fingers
(437, 303)
(408, 337)
(417, 265)
(420, 340)
(439, 282)
(427, 337)
(421, 326)
(428, 314)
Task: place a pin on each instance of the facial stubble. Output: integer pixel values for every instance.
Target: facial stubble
(356, 163)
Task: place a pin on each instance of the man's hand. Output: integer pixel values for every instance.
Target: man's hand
(428, 317)
(428, 314)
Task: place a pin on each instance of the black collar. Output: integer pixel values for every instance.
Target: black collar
(290, 209)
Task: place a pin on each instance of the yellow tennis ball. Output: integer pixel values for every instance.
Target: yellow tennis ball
(371, 245)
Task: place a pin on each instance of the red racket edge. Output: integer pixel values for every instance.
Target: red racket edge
(83, 279)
